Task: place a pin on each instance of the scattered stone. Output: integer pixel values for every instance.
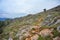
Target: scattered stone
(58, 28)
(56, 38)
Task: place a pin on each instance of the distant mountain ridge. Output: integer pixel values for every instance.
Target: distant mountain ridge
(2, 19)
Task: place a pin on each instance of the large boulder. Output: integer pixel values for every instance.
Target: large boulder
(46, 32)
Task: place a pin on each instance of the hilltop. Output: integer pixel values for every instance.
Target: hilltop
(18, 27)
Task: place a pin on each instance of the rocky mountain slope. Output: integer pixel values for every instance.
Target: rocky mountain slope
(31, 27)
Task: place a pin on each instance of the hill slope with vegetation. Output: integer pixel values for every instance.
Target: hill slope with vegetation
(19, 27)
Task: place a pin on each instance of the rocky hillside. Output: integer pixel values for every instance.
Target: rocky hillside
(41, 26)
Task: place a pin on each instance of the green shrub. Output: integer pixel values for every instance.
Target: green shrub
(40, 38)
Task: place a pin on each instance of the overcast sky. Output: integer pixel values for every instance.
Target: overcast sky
(18, 8)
